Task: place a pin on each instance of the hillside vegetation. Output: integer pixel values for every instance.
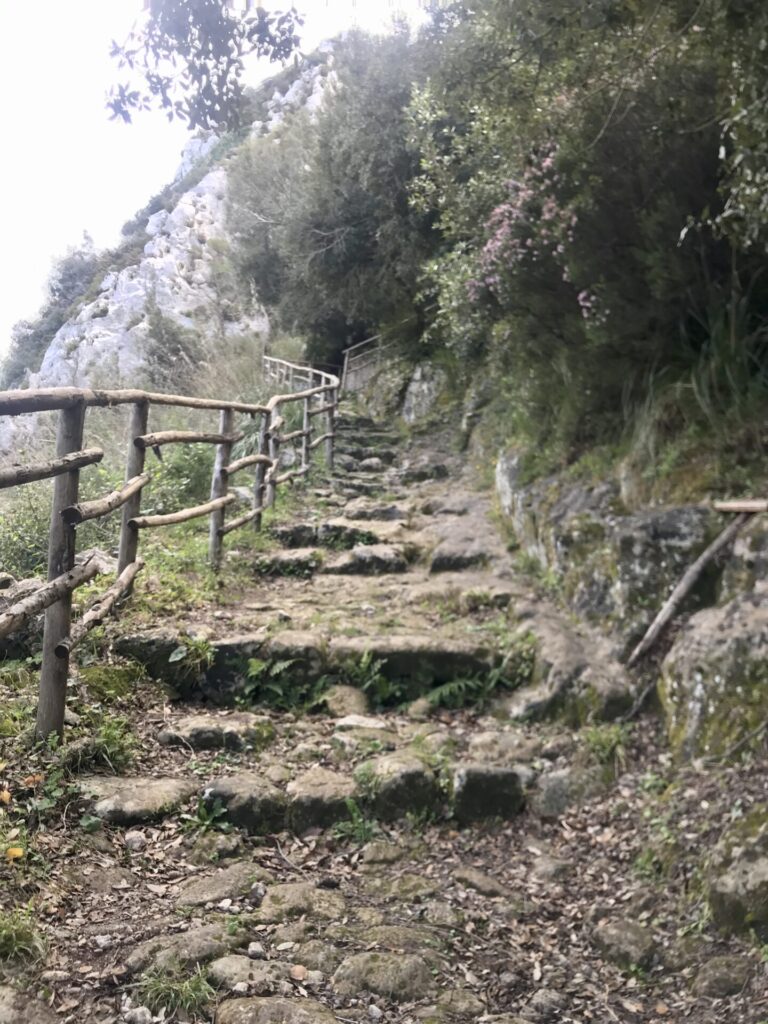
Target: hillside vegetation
(566, 198)
(568, 195)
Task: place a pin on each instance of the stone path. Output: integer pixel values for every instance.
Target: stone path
(382, 857)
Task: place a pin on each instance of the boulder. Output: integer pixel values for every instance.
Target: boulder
(722, 976)
(714, 680)
(262, 978)
(738, 876)
(625, 943)
(345, 700)
(611, 566)
(557, 791)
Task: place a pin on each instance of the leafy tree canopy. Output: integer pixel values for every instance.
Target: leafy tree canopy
(190, 53)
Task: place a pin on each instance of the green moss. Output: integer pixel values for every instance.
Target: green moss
(111, 682)
(728, 713)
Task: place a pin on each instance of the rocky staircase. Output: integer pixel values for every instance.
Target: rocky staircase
(383, 855)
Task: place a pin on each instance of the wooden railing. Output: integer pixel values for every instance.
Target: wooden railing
(318, 396)
(364, 360)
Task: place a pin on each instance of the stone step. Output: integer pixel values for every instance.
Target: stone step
(332, 534)
(409, 664)
(386, 455)
(359, 509)
(367, 560)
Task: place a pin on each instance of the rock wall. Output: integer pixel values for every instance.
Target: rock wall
(183, 281)
(611, 566)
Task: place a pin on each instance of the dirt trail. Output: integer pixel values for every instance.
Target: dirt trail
(383, 857)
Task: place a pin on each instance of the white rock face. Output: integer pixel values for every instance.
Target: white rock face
(184, 275)
(107, 343)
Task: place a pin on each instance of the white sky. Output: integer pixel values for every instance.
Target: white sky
(66, 167)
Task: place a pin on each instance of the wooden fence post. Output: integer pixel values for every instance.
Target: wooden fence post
(307, 428)
(219, 487)
(134, 466)
(329, 429)
(261, 471)
(274, 454)
(61, 559)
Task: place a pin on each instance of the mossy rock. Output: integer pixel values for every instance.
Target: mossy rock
(714, 681)
(112, 682)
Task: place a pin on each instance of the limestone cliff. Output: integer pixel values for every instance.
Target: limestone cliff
(179, 301)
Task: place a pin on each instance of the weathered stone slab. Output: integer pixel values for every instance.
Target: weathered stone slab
(318, 799)
(296, 562)
(232, 882)
(556, 791)
(131, 801)
(722, 976)
(18, 1008)
(252, 802)
(485, 791)
(211, 732)
(402, 977)
(273, 1010)
(714, 682)
(297, 899)
(399, 784)
(360, 508)
(625, 943)
(198, 945)
(367, 560)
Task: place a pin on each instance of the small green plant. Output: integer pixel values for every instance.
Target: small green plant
(478, 691)
(270, 683)
(193, 656)
(110, 745)
(607, 743)
(207, 818)
(19, 939)
(175, 990)
(365, 777)
(357, 829)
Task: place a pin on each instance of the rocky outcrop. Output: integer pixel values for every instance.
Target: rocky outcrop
(611, 566)
(714, 681)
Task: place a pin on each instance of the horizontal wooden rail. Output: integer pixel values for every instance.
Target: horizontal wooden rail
(752, 505)
(76, 514)
(247, 460)
(15, 403)
(13, 618)
(14, 475)
(328, 407)
(235, 524)
(290, 475)
(99, 610)
(319, 440)
(292, 436)
(172, 518)
(184, 437)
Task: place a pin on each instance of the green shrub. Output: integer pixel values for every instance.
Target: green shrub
(19, 938)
